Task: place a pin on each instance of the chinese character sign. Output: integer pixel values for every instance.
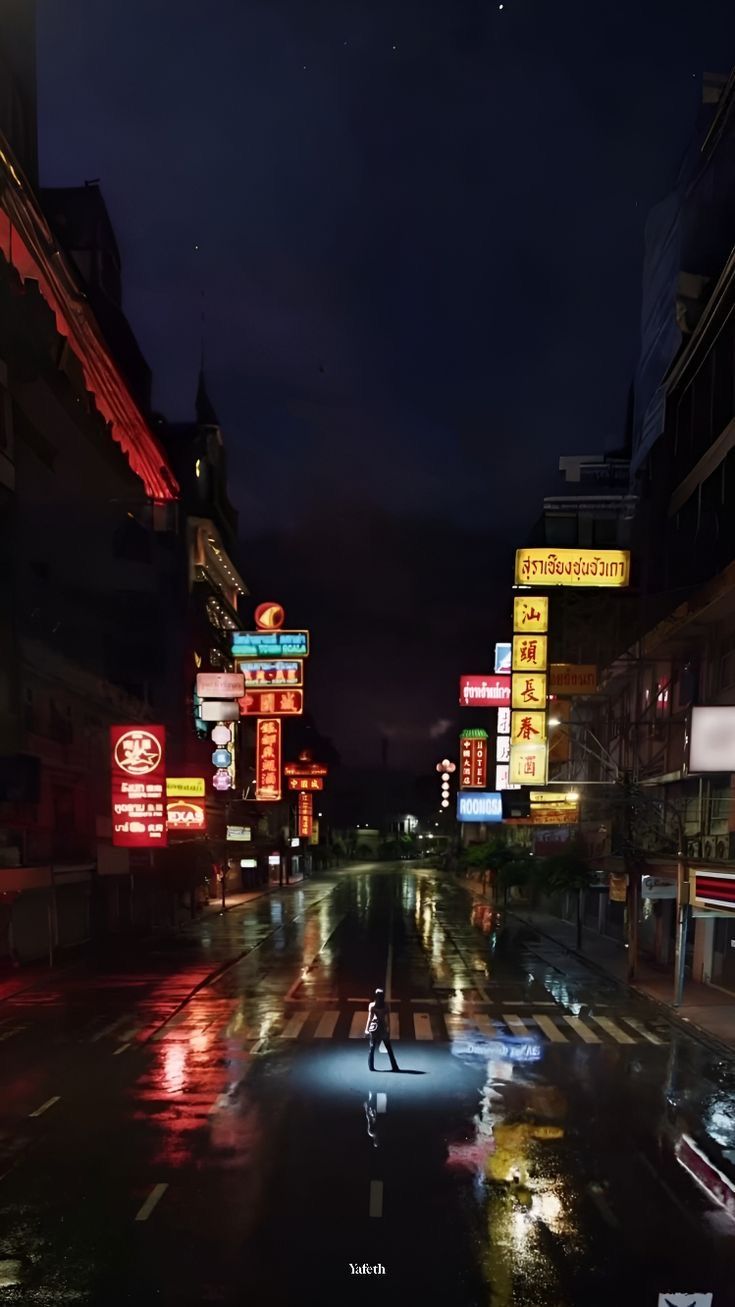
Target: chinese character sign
(528, 764)
(528, 728)
(531, 613)
(272, 703)
(305, 784)
(545, 566)
(306, 816)
(268, 760)
(529, 653)
(502, 749)
(138, 784)
(473, 761)
(528, 691)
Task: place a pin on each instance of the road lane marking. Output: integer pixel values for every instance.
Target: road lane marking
(582, 1030)
(422, 1025)
(641, 1030)
(515, 1024)
(121, 1049)
(108, 1029)
(382, 1104)
(257, 1046)
(376, 1198)
(549, 1028)
(326, 1026)
(151, 1201)
(359, 1022)
(171, 1023)
(293, 1028)
(45, 1106)
(395, 1032)
(620, 1036)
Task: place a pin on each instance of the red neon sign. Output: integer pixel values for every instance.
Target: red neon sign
(484, 691)
(268, 761)
(306, 784)
(306, 816)
(472, 764)
(138, 785)
(272, 703)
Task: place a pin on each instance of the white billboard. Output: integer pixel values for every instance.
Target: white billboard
(712, 744)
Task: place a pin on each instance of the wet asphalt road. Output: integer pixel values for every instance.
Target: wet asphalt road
(196, 1123)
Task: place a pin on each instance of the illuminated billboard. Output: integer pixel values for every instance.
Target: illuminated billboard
(270, 644)
(268, 760)
(542, 565)
(484, 691)
(479, 807)
(272, 703)
(280, 674)
(712, 740)
(531, 613)
(138, 783)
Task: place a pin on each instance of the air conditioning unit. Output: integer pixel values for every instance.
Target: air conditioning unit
(694, 848)
(723, 848)
(709, 849)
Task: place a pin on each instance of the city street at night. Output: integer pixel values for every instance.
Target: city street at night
(195, 1121)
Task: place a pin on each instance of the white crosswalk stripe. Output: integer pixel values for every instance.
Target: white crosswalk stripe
(359, 1022)
(326, 1027)
(515, 1025)
(395, 1030)
(641, 1030)
(550, 1028)
(579, 1027)
(422, 1025)
(620, 1036)
(294, 1026)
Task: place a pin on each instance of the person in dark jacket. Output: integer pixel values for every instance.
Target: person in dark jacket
(378, 1029)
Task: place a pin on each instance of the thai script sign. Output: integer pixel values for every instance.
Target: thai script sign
(544, 566)
(281, 674)
(220, 685)
(185, 787)
(270, 644)
(567, 679)
(138, 783)
(483, 691)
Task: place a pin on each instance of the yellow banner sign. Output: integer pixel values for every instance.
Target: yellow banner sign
(567, 679)
(542, 565)
(528, 690)
(531, 613)
(555, 797)
(546, 815)
(528, 728)
(528, 764)
(529, 653)
(183, 787)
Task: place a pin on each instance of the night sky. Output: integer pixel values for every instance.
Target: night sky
(414, 231)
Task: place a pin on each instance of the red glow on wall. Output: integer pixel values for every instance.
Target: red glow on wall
(28, 245)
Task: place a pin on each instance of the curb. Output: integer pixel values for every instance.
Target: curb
(683, 1023)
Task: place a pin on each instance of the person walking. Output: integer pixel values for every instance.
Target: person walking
(378, 1029)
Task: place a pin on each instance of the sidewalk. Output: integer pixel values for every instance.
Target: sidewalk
(706, 1012)
(37, 975)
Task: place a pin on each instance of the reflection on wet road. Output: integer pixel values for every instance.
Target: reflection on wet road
(196, 1123)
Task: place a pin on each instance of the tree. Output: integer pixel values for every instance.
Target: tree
(569, 873)
(515, 869)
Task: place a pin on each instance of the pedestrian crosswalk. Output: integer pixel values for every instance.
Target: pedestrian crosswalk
(339, 1024)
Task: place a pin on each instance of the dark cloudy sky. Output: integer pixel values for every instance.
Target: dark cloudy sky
(417, 228)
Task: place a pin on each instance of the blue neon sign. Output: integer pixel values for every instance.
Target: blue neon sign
(479, 805)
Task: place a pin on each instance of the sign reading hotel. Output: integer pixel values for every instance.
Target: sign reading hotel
(473, 760)
(568, 679)
(270, 644)
(138, 784)
(545, 566)
(268, 760)
(272, 703)
(484, 691)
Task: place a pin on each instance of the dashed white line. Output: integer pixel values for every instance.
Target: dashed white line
(45, 1106)
(151, 1201)
(376, 1198)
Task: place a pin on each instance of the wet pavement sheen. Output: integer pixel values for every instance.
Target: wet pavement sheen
(194, 1121)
